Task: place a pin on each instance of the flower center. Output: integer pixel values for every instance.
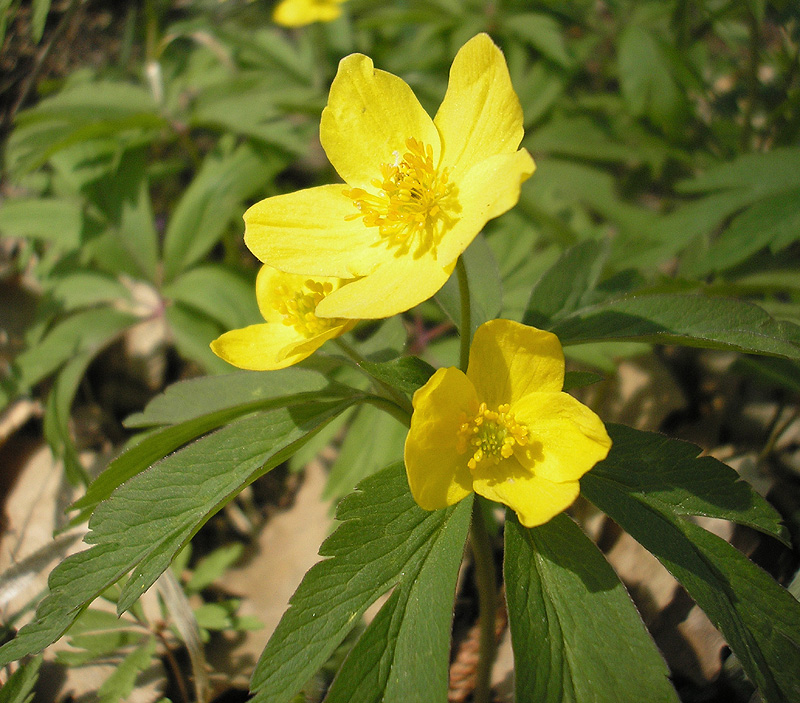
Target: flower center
(298, 307)
(412, 203)
(491, 436)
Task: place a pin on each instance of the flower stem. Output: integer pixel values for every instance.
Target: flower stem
(390, 392)
(485, 580)
(466, 313)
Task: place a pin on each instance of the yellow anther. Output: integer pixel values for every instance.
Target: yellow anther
(413, 202)
(491, 435)
(299, 307)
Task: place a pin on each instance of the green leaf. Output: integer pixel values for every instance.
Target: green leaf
(211, 202)
(648, 82)
(212, 567)
(222, 294)
(19, 686)
(198, 406)
(192, 333)
(82, 288)
(374, 439)
(57, 416)
(403, 655)
(576, 635)
(119, 685)
(485, 287)
(152, 516)
(385, 541)
(406, 373)
(565, 286)
(39, 18)
(56, 220)
(770, 371)
(690, 320)
(543, 33)
(580, 379)
(192, 399)
(86, 331)
(772, 222)
(648, 485)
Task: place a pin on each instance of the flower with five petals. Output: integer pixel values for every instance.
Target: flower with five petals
(417, 190)
(504, 429)
(292, 330)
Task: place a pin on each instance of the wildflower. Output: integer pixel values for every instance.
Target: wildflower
(292, 330)
(298, 13)
(504, 429)
(417, 191)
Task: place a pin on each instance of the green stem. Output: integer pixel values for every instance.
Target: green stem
(398, 413)
(485, 580)
(393, 394)
(466, 313)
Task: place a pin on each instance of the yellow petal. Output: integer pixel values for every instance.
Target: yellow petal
(534, 499)
(298, 13)
(306, 232)
(369, 116)
(565, 438)
(487, 190)
(396, 286)
(437, 474)
(480, 115)
(508, 360)
(261, 347)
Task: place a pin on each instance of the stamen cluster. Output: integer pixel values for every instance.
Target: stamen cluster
(410, 205)
(298, 307)
(491, 436)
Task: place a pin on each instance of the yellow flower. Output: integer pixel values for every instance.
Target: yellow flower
(298, 13)
(504, 429)
(292, 330)
(418, 190)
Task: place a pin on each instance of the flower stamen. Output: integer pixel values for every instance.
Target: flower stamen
(413, 201)
(490, 435)
(298, 307)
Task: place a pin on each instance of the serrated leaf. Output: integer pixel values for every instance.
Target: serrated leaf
(152, 516)
(576, 635)
(690, 320)
(402, 657)
(189, 400)
(759, 619)
(485, 287)
(383, 542)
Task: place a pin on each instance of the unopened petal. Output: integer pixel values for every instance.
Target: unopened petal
(308, 232)
(262, 347)
(535, 500)
(437, 473)
(369, 116)
(480, 115)
(398, 285)
(508, 360)
(565, 438)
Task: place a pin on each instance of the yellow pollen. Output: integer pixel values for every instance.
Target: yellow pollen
(298, 307)
(491, 436)
(413, 202)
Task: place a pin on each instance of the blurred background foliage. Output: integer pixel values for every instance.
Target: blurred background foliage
(134, 135)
